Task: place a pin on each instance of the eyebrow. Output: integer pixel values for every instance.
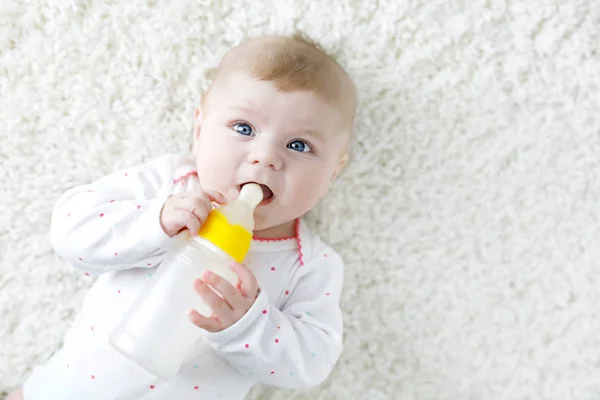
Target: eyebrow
(247, 110)
(310, 132)
(316, 134)
(243, 108)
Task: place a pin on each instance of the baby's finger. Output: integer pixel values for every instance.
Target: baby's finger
(216, 303)
(189, 201)
(215, 196)
(174, 220)
(230, 293)
(192, 224)
(200, 207)
(196, 200)
(210, 324)
(201, 211)
(248, 283)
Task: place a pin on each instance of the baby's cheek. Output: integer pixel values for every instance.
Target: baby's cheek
(307, 192)
(315, 183)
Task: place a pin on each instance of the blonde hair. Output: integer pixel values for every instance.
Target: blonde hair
(292, 63)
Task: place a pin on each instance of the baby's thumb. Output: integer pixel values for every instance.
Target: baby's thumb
(216, 197)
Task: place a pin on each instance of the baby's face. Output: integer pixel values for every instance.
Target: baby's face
(292, 143)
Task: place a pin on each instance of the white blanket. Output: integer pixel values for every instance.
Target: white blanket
(469, 218)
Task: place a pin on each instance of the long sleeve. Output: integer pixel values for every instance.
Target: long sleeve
(114, 222)
(298, 345)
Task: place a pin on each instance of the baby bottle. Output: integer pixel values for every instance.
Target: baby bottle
(156, 333)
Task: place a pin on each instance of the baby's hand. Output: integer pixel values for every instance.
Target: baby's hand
(188, 210)
(235, 303)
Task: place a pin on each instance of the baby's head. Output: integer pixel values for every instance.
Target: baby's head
(279, 112)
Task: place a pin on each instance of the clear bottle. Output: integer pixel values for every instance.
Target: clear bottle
(156, 333)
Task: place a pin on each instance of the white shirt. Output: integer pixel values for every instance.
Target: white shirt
(291, 336)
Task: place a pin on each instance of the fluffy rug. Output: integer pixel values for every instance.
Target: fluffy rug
(468, 219)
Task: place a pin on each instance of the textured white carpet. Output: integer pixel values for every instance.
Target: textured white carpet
(469, 218)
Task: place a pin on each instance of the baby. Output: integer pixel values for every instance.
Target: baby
(279, 112)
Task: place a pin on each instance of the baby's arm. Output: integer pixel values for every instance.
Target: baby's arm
(298, 345)
(114, 222)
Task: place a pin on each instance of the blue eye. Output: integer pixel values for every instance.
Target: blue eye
(243, 129)
(299, 145)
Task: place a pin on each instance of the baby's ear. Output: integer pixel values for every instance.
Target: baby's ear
(339, 168)
(198, 118)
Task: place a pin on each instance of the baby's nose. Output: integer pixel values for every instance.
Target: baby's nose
(267, 158)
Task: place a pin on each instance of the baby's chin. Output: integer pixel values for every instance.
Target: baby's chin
(266, 230)
(261, 225)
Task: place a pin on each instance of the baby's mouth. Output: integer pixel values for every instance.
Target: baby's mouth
(267, 193)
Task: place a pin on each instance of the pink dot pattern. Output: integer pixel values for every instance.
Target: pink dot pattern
(247, 345)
